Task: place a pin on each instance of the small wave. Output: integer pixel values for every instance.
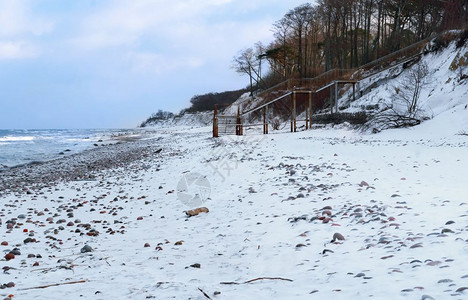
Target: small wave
(78, 140)
(16, 138)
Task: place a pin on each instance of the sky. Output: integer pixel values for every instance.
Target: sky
(111, 63)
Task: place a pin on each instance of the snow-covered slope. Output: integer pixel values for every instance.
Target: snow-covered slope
(188, 119)
(443, 98)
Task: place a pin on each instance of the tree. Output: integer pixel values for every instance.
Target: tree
(278, 54)
(248, 62)
(310, 39)
(406, 109)
(298, 19)
(409, 89)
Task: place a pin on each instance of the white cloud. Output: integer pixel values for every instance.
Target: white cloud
(16, 18)
(159, 64)
(124, 23)
(16, 50)
(18, 25)
(166, 35)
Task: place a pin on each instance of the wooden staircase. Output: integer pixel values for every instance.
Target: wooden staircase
(311, 92)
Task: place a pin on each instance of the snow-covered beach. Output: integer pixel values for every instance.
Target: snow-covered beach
(275, 204)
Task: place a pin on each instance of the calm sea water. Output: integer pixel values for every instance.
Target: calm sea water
(19, 147)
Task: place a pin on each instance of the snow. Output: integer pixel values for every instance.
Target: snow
(398, 197)
(444, 90)
(248, 232)
(187, 120)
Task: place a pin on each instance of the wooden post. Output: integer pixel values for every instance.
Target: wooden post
(331, 99)
(291, 110)
(310, 109)
(294, 111)
(265, 122)
(241, 127)
(354, 91)
(238, 122)
(336, 97)
(215, 121)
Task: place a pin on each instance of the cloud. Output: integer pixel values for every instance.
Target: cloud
(19, 26)
(159, 36)
(16, 50)
(17, 18)
(159, 64)
(125, 23)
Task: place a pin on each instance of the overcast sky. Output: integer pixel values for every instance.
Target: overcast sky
(111, 63)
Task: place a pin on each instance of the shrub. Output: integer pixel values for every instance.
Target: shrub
(276, 123)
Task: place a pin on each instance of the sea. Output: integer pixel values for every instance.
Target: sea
(26, 146)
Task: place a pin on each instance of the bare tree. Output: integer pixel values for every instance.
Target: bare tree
(246, 62)
(406, 107)
(409, 89)
(313, 38)
(298, 20)
(279, 54)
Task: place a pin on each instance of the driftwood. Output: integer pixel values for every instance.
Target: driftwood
(54, 284)
(257, 279)
(204, 294)
(196, 211)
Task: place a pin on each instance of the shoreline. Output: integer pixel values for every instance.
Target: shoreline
(118, 151)
(46, 145)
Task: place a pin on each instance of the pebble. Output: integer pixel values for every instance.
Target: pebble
(9, 256)
(86, 249)
(338, 236)
(15, 251)
(445, 281)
